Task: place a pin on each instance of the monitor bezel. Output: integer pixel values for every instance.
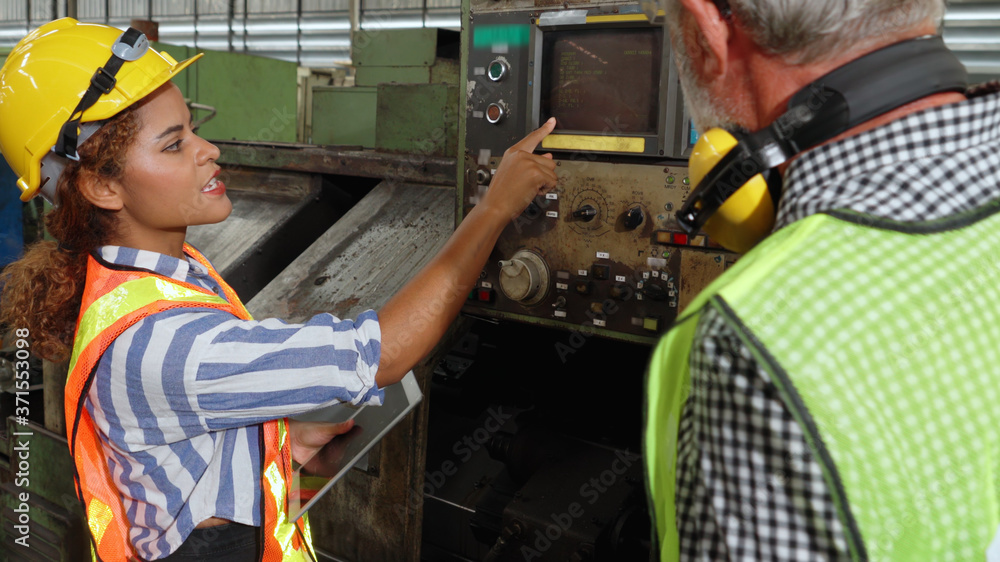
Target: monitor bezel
(671, 139)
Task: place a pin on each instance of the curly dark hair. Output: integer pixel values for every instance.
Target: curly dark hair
(44, 289)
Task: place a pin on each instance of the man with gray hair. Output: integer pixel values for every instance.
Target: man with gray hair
(834, 394)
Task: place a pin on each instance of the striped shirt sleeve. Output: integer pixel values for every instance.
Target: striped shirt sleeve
(190, 371)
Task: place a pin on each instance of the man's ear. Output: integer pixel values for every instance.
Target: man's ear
(709, 43)
(103, 193)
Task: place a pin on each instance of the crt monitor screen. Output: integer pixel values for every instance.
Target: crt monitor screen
(602, 80)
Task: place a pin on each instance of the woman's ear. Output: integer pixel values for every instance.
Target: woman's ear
(103, 193)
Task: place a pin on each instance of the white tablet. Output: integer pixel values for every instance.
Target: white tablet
(314, 478)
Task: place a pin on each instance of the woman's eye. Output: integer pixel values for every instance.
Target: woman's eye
(174, 146)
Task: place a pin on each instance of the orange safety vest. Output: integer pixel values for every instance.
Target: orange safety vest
(113, 300)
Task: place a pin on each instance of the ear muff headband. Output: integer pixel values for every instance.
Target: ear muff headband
(842, 99)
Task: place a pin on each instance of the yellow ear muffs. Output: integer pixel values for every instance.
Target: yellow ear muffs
(747, 217)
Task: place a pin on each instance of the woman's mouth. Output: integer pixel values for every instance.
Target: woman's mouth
(214, 187)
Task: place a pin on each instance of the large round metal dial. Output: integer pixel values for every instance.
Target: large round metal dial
(524, 277)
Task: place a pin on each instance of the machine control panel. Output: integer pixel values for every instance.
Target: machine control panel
(602, 252)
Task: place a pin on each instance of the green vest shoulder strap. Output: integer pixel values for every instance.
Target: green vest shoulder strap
(668, 386)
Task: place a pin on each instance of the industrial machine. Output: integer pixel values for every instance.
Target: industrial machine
(535, 424)
(602, 253)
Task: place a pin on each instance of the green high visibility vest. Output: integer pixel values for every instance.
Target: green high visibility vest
(883, 340)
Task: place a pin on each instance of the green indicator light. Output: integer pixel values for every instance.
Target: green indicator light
(670, 179)
(666, 254)
(496, 70)
(687, 181)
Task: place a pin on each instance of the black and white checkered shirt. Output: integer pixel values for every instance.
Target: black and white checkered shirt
(747, 485)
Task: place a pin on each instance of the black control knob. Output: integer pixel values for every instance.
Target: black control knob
(585, 213)
(654, 292)
(532, 211)
(583, 286)
(633, 218)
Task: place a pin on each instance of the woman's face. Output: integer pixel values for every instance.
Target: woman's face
(169, 181)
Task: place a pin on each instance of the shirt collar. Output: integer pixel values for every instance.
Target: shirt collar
(162, 264)
(844, 174)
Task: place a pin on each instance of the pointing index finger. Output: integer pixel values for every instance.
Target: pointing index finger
(531, 141)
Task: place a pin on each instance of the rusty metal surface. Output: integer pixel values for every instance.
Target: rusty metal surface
(348, 161)
(359, 263)
(365, 257)
(276, 215)
(698, 270)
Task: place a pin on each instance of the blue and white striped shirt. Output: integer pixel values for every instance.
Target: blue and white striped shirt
(179, 396)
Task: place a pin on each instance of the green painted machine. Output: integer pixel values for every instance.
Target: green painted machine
(258, 96)
(404, 98)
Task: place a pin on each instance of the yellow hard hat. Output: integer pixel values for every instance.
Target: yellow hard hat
(64, 74)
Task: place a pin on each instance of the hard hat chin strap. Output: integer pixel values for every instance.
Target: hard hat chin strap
(52, 165)
(130, 46)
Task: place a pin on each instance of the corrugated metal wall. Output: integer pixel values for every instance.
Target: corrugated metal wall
(972, 29)
(317, 32)
(311, 32)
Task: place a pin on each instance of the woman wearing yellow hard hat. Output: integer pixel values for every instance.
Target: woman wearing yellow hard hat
(176, 399)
